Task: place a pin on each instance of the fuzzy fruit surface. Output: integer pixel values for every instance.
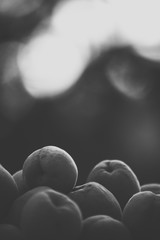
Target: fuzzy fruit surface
(20, 181)
(50, 166)
(142, 215)
(49, 215)
(93, 199)
(102, 227)
(8, 192)
(117, 177)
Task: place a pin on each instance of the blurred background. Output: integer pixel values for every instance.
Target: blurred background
(82, 75)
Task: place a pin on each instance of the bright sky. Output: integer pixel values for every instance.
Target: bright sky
(53, 61)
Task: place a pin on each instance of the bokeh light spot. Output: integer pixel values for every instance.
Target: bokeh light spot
(50, 65)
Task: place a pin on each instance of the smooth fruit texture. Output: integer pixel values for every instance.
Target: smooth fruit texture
(142, 216)
(153, 187)
(49, 215)
(8, 192)
(103, 227)
(50, 166)
(117, 177)
(14, 215)
(10, 232)
(20, 181)
(93, 199)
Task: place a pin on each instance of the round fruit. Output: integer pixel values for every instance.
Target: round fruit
(50, 166)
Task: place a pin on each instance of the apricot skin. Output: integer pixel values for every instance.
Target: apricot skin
(117, 177)
(20, 181)
(102, 227)
(8, 192)
(10, 232)
(15, 212)
(93, 199)
(153, 187)
(49, 215)
(50, 166)
(142, 215)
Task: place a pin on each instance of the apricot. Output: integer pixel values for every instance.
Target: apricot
(15, 212)
(8, 192)
(117, 177)
(141, 215)
(103, 227)
(50, 166)
(93, 199)
(49, 215)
